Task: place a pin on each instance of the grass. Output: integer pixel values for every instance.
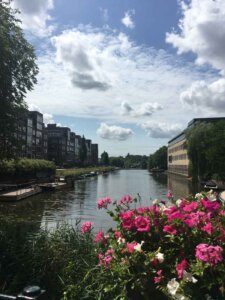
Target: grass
(53, 259)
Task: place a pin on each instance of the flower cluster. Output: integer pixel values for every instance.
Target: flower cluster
(104, 202)
(167, 247)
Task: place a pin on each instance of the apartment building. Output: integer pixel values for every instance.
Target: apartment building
(94, 154)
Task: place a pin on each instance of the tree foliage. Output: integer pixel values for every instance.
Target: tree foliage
(105, 159)
(158, 159)
(206, 150)
(18, 72)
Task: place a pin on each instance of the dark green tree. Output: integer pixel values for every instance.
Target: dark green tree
(83, 151)
(206, 150)
(116, 161)
(105, 159)
(158, 159)
(18, 72)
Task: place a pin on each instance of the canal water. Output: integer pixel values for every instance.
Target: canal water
(79, 203)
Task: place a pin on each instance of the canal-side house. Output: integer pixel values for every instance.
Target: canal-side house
(94, 154)
(177, 157)
(88, 147)
(58, 144)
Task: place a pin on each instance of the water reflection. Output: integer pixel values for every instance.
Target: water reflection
(181, 186)
(79, 202)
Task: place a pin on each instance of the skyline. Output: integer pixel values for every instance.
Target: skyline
(129, 76)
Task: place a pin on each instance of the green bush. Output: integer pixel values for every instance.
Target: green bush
(25, 166)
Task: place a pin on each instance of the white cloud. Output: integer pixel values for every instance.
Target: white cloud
(204, 95)
(161, 130)
(114, 132)
(144, 110)
(202, 31)
(90, 72)
(47, 118)
(127, 19)
(35, 15)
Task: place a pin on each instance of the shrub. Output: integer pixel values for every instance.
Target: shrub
(164, 251)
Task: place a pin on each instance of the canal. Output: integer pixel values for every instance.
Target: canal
(79, 202)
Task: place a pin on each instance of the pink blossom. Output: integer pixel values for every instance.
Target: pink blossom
(117, 234)
(175, 215)
(210, 206)
(130, 247)
(209, 254)
(208, 228)
(158, 278)
(104, 202)
(86, 227)
(142, 224)
(181, 267)
(142, 210)
(126, 199)
(100, 237)
(170, 229)
(127, 219)
(169, 194)
(106, 259)
(190, 207)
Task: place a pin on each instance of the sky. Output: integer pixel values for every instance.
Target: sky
(128, 74)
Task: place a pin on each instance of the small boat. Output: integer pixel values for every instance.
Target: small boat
(156, 170)
(53, 186)
(210, 185)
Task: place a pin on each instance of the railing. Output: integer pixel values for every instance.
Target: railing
(29, 293)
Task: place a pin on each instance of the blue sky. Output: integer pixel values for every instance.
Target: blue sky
(127, 74)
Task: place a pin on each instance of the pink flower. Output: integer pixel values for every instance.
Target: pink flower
(126, 199)
(105, 259)
(117, 234)
(100, 237)
(175, 215)
(127, 219)
(104, 202)
(158, 278)
(209, 254)
(170, 229)
(208, 228)
(190, 207)
(130, 247)
(86, 227)
(142, 224)
(169, 195)
(181, 267)
(210, 206)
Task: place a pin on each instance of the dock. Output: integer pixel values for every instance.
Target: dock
(19, 194)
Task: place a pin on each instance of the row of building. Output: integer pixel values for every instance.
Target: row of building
(52, 142)
(178, 161)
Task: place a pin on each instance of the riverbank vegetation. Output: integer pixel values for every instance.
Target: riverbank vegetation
(129, 161)
(24, 167)
(206, 150)
(158, 159)
(82, 171)
(169, 250)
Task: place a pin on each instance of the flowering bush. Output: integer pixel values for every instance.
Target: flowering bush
(169, 250)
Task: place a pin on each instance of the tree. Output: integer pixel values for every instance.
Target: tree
(105, 159)
(206, 150)
(83, 150)
(18, 72)
(158, 159)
